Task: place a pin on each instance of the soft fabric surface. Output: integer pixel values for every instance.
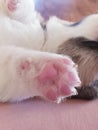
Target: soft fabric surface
(40, 115)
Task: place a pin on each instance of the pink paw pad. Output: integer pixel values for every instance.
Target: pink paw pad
(52, 95)
(24, 68)
(48, 74)
(11, 4)
(65, 90)
(25, 65)
(56, 80)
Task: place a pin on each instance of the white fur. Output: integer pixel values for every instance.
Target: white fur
(31, 35)
(15, 84)
(59, 31)
(22, 29)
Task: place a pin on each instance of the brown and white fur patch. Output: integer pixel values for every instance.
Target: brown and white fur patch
(84, 52)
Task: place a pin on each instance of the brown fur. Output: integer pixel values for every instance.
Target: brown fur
(86, 59)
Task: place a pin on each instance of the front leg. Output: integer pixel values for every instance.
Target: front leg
(25, 73)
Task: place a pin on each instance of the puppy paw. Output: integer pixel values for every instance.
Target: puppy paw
(57, 79)
(51, 77)
(11, 4)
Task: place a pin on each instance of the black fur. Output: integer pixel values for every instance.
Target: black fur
(88, 92)
(76, 23)
(84, 43)
(87, 44)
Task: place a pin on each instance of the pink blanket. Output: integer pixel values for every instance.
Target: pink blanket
(40, 115)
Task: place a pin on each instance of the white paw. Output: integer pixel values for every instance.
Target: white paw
(53, 77)
(11, 4)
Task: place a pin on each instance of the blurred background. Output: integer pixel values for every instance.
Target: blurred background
(71, 10)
